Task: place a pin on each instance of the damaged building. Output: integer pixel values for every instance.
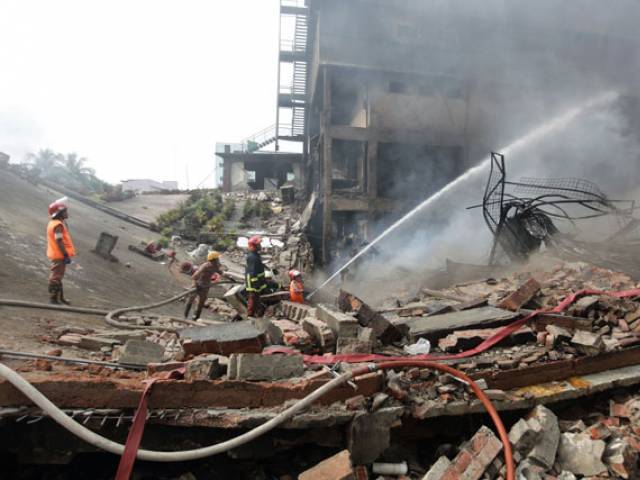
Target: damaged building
(392, 100)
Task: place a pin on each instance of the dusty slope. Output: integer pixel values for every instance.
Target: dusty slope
(91, 281)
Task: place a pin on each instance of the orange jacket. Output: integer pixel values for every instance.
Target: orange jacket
(53, 251)
(296, 291)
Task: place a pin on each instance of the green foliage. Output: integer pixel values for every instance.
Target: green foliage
(68, 170)
(265, 210)
(228, 209)
(204, 210)
(164, 242)
(248, 210)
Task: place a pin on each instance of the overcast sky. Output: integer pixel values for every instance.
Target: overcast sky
(142, 88)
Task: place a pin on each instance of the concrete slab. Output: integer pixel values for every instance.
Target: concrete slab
(436, 326)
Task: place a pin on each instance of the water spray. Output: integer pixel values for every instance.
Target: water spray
(534, 135)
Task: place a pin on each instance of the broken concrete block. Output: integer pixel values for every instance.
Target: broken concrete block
(256, 367)
(296, 311)
(559, 334)
(524, 435)
(353, 345)
(96, 343)
(223, 339)
(521, 296)
(370, 434)
(271, 331)
(475, 457)
(434, 327)
(382, 327)
(437, 469)
(582, 306)
(544, 452)
(141, 352)
(320, 332)
(337, 467)
(203, 368)
(341, 324)
(587, 342)
(581, 455)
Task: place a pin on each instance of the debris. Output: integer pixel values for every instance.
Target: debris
(581, 455)
(474, 457)
(383, 329)
(234, 297)
(223, 339)
(337, 467)
(255, 367)
(587, 343)
(203, 368)
(370, 433)
(438, 469)
(436, 326)
(320, 332)
(106, 244)
(516, 300)
(140, 352)
(341, 324)
(346, 345)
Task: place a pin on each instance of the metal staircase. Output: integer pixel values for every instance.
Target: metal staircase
(294, 50)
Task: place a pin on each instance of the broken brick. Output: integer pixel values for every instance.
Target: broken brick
(521, 296)
(474, 458)
(337, 467)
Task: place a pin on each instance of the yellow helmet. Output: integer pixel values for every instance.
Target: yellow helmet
(213, 256)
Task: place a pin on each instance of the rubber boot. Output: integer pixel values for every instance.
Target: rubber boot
(53, 294)
(61, 297)
(187, 308)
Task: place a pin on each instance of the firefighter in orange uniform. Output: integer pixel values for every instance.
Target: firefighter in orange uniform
(60, 249)
(296, 288)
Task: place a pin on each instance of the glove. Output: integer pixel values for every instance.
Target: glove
(66, 260)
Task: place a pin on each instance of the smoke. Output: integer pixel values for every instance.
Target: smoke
(519, 64)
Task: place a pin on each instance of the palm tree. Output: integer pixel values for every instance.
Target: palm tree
(45, 160)
(76, 166)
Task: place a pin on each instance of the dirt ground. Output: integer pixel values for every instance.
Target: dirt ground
(91, 281)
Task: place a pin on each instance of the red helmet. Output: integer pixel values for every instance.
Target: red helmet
(293, 274)
(254, 242)
(57, 207)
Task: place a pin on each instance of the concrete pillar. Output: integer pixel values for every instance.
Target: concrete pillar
(327, 167)
(372, 169)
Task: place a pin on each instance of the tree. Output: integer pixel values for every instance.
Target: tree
(76, 166)
(45, 160)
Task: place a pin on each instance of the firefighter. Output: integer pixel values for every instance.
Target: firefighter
(202, 282)
(255, 279)
(60, 249)
(296, 288)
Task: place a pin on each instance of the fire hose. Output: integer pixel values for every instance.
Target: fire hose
(186, 455)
